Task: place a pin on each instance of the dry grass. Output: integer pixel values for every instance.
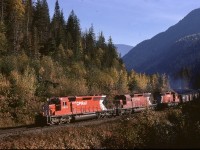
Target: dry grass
(172, 128)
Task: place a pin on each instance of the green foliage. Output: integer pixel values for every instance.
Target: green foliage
(14, 24)
(8, 64)
(144, 83)
(5, 86)
(58, 27)
(41, 58)
(74, 34)
(3, 39)
(23, 87)
(4, 93)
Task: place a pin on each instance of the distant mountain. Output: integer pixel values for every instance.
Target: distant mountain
(123, 49)
(170, 51)
(147, 55)
(185, 52)
(184, 62)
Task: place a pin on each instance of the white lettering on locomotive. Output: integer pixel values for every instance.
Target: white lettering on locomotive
(136, 99)
(80, 103)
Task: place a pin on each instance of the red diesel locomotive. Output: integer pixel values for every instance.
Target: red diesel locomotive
(64, 109)
(126, 104)
(169, 97)
(60, 110)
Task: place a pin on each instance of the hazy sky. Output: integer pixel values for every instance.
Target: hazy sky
(127, 21)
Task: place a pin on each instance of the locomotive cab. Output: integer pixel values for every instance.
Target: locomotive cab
(57, 106)
(169, 97)
(54, 104)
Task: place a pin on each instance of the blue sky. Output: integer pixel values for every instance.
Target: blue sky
(127, 21)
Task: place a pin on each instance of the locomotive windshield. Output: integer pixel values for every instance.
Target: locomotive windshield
(54, 101)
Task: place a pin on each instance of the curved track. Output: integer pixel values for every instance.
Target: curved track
(6, 132)
(33, 129)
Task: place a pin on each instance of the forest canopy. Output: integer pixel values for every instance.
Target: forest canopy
(42, 57)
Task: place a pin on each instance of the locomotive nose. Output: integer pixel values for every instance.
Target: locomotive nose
(103, 103)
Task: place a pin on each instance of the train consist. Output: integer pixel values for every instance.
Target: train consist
(59, 110)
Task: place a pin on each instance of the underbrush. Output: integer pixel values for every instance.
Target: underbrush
(171, 128)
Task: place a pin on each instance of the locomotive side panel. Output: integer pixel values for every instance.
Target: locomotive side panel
(140, 101)
(166, 98)
(170, 97)
(89, 104)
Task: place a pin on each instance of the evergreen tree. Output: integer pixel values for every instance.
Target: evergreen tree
(132, 82)
(14, 21)
(41, 22)
(58, 26)
(3, 39)
(74, 35)
(164, 83)
(122, 82)
(110, 54)
(90, 50)
(2, 10)
(27, 42)
(101, 41)
(100, 52)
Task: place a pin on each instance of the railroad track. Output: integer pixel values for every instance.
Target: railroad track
(15, 131)
(31, 129)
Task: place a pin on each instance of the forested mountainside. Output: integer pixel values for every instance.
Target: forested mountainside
(42, 57)
(170, 52)
(184, 68)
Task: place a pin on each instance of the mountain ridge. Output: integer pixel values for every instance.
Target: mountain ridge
(142, 57)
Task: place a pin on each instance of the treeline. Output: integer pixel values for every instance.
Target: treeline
(42, 57)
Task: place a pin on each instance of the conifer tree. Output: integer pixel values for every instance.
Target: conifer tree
(110, 54)
(90, 49)
(14, 20)
(41, 22)
(73, 34)
(27, 42)
(2, 10)
(3, 39)
(58, 26)
(101, 41)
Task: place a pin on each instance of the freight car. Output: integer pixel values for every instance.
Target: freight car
(186, 95)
